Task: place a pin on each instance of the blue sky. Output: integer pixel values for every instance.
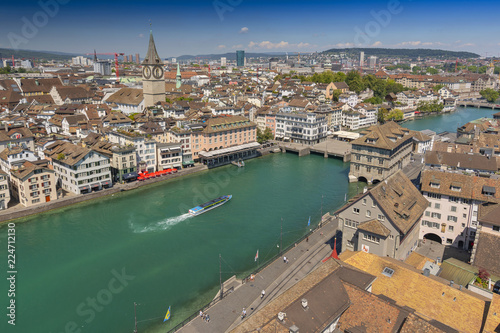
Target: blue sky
(220, 26)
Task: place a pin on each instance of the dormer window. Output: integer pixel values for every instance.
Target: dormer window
(489, 191)
(456, 188)
(435, 184)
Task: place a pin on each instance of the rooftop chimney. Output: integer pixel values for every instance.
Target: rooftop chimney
(451, 283)
(427, 272)
(304, 304)
(294, 329)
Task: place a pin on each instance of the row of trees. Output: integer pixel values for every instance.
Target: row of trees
(385, 115)
(263, 136)
(433, 106)
(491, 95)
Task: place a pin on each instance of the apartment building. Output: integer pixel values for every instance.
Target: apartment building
(452, 215)
(385, 219)
(4, 190)
(79, 170)
(169, 155)
(145, 148)
(306, 128)
(33, 184)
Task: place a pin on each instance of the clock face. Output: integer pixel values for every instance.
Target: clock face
(157, 72)
(146, 72)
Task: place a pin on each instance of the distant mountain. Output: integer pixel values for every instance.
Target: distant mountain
(30, 54)
(406, 53)
(232, 55)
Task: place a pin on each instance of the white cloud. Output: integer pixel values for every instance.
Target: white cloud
(244, 30)
(469, 44)
(344, 45)
(221, 46)
(420, 43)
(268, 45)
(376, 44)
(141, 35)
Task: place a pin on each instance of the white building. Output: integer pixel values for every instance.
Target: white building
(79, 170)
(169, 155)
(102, 67)
(451, 217)
(307, 128)
(145, 148)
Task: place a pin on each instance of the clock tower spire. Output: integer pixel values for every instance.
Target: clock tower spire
(153, 80)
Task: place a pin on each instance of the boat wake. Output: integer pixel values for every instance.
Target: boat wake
(161, 225)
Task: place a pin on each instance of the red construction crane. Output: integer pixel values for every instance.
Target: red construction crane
(116, 54)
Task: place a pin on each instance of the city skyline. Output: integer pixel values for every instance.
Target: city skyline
(221, 26)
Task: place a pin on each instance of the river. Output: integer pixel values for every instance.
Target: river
(81, 268)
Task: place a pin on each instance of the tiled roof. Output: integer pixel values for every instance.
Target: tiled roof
(488, 248)
(430, 297)
(26, 169)
(387, 136)
(463, 161)
(471, 187)
(6, 135)
(128, 96)
(227, 123)
(493, 319)
(71, 153)
(400, 200)
(39, 85)
(375, 227)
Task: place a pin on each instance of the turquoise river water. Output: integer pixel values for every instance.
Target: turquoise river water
(81, 268)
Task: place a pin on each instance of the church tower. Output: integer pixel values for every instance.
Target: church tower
(178, 78)
(153, 80)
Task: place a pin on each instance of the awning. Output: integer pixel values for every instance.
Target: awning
(188, 163)
(130, 175)
(95, 185)
(106, 183)
(85, 188)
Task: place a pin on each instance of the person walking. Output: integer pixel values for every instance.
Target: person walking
(262, 294)
(284, 259)
(243, 313)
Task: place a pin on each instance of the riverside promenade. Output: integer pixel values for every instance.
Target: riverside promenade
(276, 278)
(18, 210)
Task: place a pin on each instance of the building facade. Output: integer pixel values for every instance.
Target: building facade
(33, 184)
(306, 128)
(381, 152)
(4, 191)
(452, 216)
(384, 220)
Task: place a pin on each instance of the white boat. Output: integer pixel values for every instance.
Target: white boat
(210, 205)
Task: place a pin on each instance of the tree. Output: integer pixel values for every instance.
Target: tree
(354, 81)
(437, 87)
(382, 113)
(395, 114)
(416, 69)
(336, 94)
(373, 100)
(491, 95)
(264, 136)
(432, 71)
(60, 156)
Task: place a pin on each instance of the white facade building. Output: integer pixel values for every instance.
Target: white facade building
(308, 128)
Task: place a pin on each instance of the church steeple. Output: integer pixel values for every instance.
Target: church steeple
(178, 78)
(151, 56)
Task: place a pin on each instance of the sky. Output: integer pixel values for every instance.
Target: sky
(221, 26)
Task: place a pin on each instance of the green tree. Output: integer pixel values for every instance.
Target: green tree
(395, 114)
(491, 95)
(354, 81)
(263, 136)
(382, 113)
(432, 71)
(336, 94)
(416, 69)
(373, 100)
(437, 87)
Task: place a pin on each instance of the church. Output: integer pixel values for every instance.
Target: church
(153, 79)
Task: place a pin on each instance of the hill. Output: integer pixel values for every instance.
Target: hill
(406, 53)
(232, 55)
(30, 54)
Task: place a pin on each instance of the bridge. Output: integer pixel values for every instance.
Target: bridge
(329, 148)
(479, 105)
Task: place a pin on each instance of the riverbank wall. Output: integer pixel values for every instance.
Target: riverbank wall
(20, 211)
